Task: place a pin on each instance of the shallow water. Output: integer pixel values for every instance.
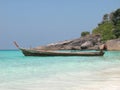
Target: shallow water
(18, 72)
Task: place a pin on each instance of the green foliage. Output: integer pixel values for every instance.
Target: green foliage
(116, 32)
(105, 18)
(109, 28)
(116, 17)
(85, 33)
(105, 30)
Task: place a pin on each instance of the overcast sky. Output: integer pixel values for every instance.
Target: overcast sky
(40, 22)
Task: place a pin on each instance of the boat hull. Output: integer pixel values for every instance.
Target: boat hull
(29, 52)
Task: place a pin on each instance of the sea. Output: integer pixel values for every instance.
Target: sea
(19, 72)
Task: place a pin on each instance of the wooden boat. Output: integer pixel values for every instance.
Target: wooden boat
(33, 52)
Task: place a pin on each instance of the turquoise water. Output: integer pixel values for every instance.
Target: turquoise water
(18, 72)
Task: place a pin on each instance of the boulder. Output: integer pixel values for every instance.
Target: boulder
(113, 44)
(86, 45)
(87, 42)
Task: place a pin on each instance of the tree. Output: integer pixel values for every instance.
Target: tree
(116, 32)
(110, 26)
(106, 17)
(105, 30)
(111, 16)
(116, 17)
(85, 33)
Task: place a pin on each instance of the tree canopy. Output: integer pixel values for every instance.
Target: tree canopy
(109, 28)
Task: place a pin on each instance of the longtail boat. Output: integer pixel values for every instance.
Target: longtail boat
(34, 52)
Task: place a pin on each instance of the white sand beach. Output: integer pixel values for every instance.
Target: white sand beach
(107, 79)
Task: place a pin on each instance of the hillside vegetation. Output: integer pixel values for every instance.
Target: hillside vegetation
(109, 28)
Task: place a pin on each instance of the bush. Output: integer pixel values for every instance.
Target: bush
(85, 33)
(116, 32)
(105, 30)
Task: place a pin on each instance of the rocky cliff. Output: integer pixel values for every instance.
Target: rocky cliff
(87, 42)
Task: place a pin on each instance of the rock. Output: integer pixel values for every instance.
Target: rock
(86, 45)
(87, 42)
(102, 46)
(95, 47)
(113, 44)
